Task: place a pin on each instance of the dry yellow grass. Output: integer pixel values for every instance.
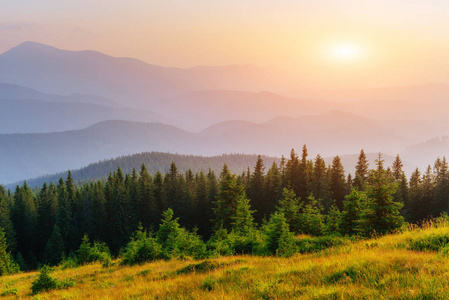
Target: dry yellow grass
(382, 268)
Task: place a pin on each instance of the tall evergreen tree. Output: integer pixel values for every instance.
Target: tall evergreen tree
(255, 189)
(289, 207)
(54, 249)
(6, 222)
(338, 183)
(383, 213)
(361, 172)
(354, 205)
(7, 264)
(229, 194)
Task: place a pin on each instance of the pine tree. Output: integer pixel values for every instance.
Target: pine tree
(352, 213)
(272, 190)
(5, 221)
(311, 221)
(7, 264)
(361, 172)
(117, 219)
(228, 196)
(243, 220)
(338, 183)
(333, 220)
(289, 207)
(397, 168)
(54, 250)
(441, 195)
(292, 173)
(146, 210)
(383, 213)
(25, 218)
(255, 189)
(64, 213)
(279, 238)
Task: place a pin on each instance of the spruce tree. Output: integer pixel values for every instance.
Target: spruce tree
(243, 220)
(338, 183)
(382, 214)
(54, 250)
(289, 206)
(361, 172)
(255, 189)
(228, 196)
(7, 264)
(352, 213)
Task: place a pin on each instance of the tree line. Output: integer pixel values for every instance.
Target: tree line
(256, 211)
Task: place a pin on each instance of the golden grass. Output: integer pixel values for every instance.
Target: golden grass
(382, 268)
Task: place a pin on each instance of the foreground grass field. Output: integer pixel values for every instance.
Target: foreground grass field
(410, 265)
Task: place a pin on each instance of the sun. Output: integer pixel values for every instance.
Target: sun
(346, 52)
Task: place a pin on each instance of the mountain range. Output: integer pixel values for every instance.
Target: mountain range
(64, 109)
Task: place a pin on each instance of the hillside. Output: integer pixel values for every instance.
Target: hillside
(157, 161)
(391, 267)
(31, 155)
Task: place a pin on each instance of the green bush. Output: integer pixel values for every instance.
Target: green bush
(280, 240)
(315, 244)
(141, 249)
(88, 253)
(44, 282)
(219, 243)
(201, 267)
(429, 242)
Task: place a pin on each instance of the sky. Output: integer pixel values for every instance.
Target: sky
(328, 44)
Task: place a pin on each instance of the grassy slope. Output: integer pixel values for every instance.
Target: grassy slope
(374, 269)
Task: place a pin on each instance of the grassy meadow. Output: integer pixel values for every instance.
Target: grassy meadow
(408, 265)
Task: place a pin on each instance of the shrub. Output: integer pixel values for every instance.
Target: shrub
(88, 253)
(219, 243)
(201, 267)
(209, 284)
(314, 244)
(280, 240)
(44, 282)
(142, 248)
(429, 242)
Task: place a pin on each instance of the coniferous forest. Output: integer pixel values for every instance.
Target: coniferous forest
(141, 217)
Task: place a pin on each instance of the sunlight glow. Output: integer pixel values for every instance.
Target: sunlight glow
(346, 52)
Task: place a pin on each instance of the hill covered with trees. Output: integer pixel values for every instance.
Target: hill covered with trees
(256, 211)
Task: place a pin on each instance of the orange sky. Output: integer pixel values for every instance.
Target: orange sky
(398, 42)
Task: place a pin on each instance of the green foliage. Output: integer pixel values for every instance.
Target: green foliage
(44, 282)
(352, 212)
(201, 267)
(289, 206)
(229, 195)
(88, 253)
(315, 244)
(280, 240)
(382, 214)
(430, 242)
(54, 250)
(333, 220)
(243, 221)
(10, 292)
(7, 264)
(219, 243)
(311, 221)
(209, 284)
(142, 248)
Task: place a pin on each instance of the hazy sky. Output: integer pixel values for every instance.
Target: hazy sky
(331, 43)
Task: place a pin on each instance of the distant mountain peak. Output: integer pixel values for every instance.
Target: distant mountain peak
(30, 47)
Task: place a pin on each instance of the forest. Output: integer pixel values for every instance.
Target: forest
(141, 217)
